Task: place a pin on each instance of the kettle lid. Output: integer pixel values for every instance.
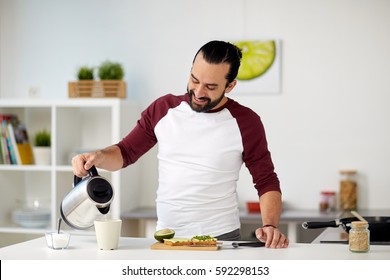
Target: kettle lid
(99, 190)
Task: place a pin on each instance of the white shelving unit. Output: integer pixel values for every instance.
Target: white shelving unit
(75, 125)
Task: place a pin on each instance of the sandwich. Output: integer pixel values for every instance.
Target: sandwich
(204, 240)
(198, 240)
(177, 241)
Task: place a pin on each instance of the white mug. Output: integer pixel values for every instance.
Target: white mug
(108, 233)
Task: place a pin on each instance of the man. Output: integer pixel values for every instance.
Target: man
(204, 138)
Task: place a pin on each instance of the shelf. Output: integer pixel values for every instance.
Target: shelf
(75, 125)
(9, 167)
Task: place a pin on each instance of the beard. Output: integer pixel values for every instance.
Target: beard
(205, 107)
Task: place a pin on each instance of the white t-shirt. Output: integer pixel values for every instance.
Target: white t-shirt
(200, 156)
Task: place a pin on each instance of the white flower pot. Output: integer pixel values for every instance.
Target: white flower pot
(42, 155)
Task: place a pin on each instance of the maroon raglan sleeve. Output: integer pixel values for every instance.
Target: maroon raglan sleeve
(142, 138)
(256, 155)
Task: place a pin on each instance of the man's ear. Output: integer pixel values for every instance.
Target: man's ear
(230, 86)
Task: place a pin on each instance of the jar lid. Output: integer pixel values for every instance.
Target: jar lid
(359, 224)
(328, 193)
(348, 172)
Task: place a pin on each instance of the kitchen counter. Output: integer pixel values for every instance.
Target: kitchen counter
(335, 235)
(286, 216)
(338, 235)
(146, 217)
(85, 248)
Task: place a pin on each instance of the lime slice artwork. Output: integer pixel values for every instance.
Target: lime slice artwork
(257, 58)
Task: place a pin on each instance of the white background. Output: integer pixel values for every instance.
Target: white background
(278, 269)
(333, 109)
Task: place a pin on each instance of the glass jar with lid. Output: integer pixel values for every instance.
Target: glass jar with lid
(359, 237)
(327, 203)
(348, 190)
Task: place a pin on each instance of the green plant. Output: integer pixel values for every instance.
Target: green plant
(85, 73)
(42, 139)
(110, 71)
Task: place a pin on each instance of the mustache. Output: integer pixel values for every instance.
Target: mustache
(191, 94)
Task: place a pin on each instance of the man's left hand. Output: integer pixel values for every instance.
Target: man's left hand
(272, 237)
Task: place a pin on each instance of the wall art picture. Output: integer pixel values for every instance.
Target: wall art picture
(260, 66)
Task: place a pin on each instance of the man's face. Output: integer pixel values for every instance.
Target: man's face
(207, 85)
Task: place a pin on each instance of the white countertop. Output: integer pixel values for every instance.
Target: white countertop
(85, 248)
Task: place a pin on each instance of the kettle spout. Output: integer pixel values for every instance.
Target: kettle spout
(104, 210)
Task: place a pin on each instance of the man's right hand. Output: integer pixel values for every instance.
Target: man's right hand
(109, 159)
(82, 163)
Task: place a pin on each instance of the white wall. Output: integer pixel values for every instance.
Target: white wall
(332, 112)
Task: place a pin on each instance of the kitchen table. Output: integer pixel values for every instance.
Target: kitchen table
(84, 247)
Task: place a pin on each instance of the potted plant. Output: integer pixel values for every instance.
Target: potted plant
(109, 70)
(85, 85)
(42, 147)
(111, 82)
(111, 77)
(85, 73)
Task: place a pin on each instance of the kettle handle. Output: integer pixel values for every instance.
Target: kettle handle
(92, 172)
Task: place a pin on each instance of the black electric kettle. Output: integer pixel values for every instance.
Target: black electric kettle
(89, 198)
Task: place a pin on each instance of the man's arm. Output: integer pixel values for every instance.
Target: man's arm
(271, 208)
(109, 158)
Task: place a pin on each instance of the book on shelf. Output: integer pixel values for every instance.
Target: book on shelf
(15, 145)
(23, 144)
(5, 157)
(9, 155)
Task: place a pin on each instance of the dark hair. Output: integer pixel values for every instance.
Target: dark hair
(216, 52)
